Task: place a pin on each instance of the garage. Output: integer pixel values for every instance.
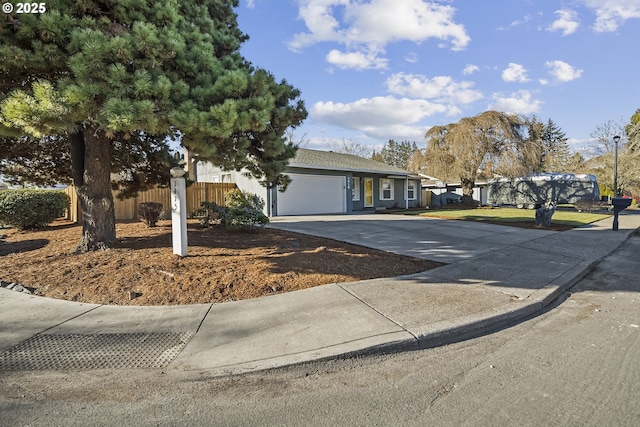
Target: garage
(313, 194)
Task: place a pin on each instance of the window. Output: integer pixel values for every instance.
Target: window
(355, 189)
(386, 189)
(411, 190)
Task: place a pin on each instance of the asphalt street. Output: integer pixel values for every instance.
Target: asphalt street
(574, 365)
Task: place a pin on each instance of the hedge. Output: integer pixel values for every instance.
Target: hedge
(29, 209)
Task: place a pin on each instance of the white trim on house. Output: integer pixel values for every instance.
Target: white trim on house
(367, 203)
(355, 189)
(386, 186)
(411, 188)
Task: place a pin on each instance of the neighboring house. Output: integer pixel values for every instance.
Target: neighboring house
(438, 187)
(324, 182)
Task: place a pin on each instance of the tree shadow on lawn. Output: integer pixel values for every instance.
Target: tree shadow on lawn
(11, 248)
(215, 237)
(349, 260)
(520, 222)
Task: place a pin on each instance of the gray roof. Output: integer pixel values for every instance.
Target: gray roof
(328, 160)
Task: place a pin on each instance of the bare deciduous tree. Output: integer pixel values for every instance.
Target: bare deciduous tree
(603, 136)
(602, 164)
(347, 146)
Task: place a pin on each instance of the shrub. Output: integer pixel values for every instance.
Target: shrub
(209, 213)
(30, 209)
(243, 211)
(150, 213)
(590, 205)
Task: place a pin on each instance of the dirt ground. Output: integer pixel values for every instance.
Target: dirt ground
(221, 265)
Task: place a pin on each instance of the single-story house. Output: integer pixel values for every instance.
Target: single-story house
(324, 182)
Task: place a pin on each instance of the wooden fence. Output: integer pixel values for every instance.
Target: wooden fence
(426, 198)
(127, 209)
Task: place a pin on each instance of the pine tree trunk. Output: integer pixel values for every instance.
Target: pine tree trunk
(91, 160)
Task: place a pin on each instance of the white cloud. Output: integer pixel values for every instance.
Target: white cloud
(329, 142)
(520, 102)
(516, 23)
(398, 132)
(440, 88)
(379, 117)
(412, 58)
(470, 69)
(567, 22)
(515, 73)
(562, 72)
(610, 14)
(356, 60)
(370, 26)
(580, 145)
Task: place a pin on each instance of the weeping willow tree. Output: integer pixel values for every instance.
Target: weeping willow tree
(459, 150)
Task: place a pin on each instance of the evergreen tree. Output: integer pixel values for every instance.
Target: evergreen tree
(630, 159)
(555, 152)
(632, 129)
(396, 154)
(107, 82)
(546, 147)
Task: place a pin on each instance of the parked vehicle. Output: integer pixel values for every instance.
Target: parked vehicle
(529, 191)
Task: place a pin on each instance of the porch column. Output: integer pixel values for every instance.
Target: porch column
(406, 193)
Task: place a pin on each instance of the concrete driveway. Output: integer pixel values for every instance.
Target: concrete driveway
(429, 238)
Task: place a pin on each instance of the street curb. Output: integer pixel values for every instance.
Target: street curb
(563, 283)
(474, 326)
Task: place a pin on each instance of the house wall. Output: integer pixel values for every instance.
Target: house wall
(398, 193)
(206, 172)
(209, 173)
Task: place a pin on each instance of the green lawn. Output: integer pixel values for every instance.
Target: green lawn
(512, 215)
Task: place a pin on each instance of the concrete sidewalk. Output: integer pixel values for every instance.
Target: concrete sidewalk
(495, 276)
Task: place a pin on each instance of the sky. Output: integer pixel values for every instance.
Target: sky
(374, 70)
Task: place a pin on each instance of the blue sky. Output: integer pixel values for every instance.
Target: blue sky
(374, 70)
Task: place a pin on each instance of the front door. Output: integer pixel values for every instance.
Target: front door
(368, 192)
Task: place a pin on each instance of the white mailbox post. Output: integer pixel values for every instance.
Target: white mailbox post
(179, 211)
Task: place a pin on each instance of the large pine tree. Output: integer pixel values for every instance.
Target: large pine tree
(108, 81)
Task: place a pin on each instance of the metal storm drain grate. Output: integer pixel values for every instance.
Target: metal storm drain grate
(95, 351)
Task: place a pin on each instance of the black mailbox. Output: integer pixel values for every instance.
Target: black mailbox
(619, 203)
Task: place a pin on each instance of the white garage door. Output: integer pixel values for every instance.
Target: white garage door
(313, 194)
